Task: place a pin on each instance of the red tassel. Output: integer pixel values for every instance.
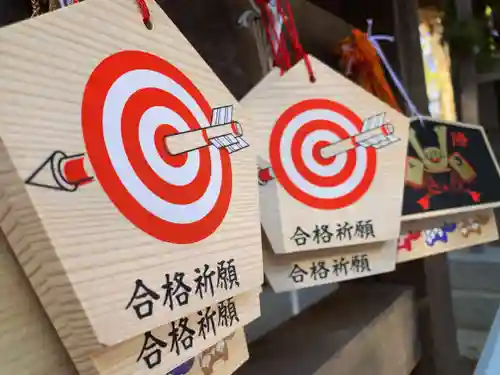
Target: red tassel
(281, 55)
(146, 15)
(292, 31)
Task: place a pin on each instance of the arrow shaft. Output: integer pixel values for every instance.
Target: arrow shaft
(184, 142)
(354, 141)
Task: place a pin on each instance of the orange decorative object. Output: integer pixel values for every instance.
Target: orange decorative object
(360, 59)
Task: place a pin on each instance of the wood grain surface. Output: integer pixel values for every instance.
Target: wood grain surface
(81, 255)
(29, 344)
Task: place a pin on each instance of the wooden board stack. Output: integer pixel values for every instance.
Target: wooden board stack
(128, 186)
(29, 343)
(328, 151)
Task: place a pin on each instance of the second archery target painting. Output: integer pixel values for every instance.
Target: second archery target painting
(129, 172)
(331, 161)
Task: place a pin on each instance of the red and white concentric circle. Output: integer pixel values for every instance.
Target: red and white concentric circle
(295, 144)
(132, 101)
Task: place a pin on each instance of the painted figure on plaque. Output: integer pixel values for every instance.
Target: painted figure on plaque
(440, 234)
(473, 225)
(209, 357)
(438, 171)
(449, 166)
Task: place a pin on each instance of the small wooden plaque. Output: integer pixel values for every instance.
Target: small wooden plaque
(429, 237)
(453, 170)
(286, 272)
(331, 160)
(128, 172)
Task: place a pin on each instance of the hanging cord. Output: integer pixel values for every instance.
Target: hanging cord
(35, 8)
(277, 19)
(146, 15)
(273, 21)
(360, 60)
(374, 39)
(53, 5)
(250, 19)
(299, 50)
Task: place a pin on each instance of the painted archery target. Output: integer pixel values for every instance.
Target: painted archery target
(132, 101)
(296, 141)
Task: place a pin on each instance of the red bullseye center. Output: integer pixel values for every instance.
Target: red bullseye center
(133, 111)
(162, 132)
(298, 154)
(309, 196)
(316, 152)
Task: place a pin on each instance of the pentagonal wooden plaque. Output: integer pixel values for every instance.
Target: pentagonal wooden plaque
(287, 272)
(429, 237)
(451, 169)
(130, 184)
(331, 161)
(172, 347)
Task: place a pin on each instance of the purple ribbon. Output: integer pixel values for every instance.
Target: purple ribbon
(374, 40)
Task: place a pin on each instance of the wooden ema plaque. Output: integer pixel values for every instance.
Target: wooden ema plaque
(286, 272)
(428, 237)
(126, 172)
(331, 161)
(451, 169)
(172, 347)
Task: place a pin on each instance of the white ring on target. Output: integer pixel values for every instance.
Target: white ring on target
(307, 154)
(115, 101)
(147, 130)
(323, 192)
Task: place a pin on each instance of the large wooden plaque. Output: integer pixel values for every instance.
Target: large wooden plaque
(331, 161)
(127, 173)
(451, 169)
